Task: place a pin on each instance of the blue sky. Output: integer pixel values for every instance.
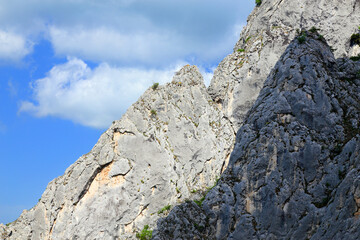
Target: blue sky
(69, 68)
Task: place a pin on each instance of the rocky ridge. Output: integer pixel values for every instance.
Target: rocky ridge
(107, 193)
(295, 169)
(171, 144)
(271, 26)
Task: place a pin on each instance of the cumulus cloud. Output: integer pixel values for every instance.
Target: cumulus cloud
(104, 44)
(130, 32)
(13, 46)
(92, 97)
(131, 43)
(151, 48)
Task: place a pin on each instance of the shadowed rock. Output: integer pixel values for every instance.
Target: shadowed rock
(294, 171)
(240, 76)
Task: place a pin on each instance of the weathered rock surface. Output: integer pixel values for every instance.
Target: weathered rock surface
(294, 172)
(295, 169)
(240, 76)
(172, 141)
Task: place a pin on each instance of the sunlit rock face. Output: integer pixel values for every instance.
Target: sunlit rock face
(294, 171)
(169, 146)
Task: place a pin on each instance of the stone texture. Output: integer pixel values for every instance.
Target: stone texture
(240, 76)
(294, 171)
(172, 141)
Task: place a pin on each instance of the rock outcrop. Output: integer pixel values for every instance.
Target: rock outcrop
(169, 145)
(295, 169)
(294, 172)
(271, 26)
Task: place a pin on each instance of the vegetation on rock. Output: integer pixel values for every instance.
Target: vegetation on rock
(355, 39)
(164, 209)
(145, 234)
(155, 86)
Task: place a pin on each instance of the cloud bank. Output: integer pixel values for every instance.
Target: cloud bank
(131, 42)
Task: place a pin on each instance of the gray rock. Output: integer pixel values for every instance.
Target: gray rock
(171, 142)
(240, 76)
(294, 171)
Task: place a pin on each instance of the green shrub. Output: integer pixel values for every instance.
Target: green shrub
(258, 2)
(199, 202)
(155, 86)
(166, 208)
(355, 58)
(153, 112)
(302, 38)
(355, 39)
(145, 234)
(247, 39)
(321, 37)
(313, 30)
(241, 50)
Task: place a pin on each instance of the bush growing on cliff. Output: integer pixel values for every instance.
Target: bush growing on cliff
(145, 234)
(314, 30)
(155, 86)
(355, 58)
(153, 112)
(164, 209)
(355, 39)
(258, 2)
(302, 38)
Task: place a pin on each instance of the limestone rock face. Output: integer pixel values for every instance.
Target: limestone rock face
(172, 142)
(295, 169)
(240, 76)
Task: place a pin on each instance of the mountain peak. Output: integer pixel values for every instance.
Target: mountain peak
(189, 75)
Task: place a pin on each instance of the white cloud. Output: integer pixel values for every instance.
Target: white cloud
(13, 46)
(91, 97)
(150, 48)
(126, 38)
(130, 32)
(103, 44)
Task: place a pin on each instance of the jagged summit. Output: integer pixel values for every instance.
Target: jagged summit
(188, 75)
(294, 171)
(271, 26)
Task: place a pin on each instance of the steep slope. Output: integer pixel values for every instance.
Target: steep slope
(271, 26)
(295, 169)
(168, 144)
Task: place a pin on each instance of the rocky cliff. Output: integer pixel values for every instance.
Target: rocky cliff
(169, 146)
(295, 169)
(271, 26)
